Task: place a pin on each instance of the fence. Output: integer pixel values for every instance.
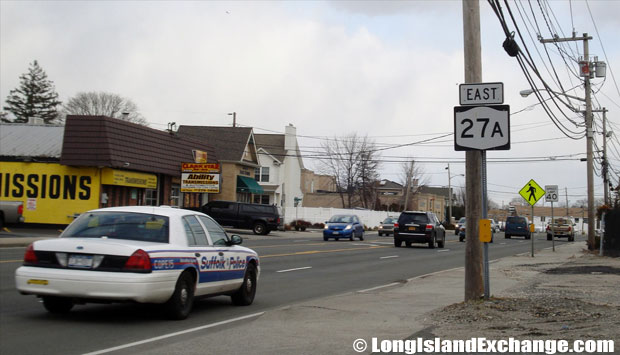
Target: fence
(319, 215)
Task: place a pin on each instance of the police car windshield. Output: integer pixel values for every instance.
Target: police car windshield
(120, 225)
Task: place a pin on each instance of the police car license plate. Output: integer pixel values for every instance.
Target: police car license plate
(81, 261)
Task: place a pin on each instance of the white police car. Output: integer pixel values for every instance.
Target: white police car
(141, 254)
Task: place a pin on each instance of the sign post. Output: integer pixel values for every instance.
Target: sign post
(481, 123)
(532, 192)
(552, 196)
(486, 235)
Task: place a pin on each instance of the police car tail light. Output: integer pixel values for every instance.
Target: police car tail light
(138, 261)
(30, 257)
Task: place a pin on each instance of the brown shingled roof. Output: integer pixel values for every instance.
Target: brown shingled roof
(110, 142)
(229, 142)
(272, 143)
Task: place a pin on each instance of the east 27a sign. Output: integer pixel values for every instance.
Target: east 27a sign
(482, 127)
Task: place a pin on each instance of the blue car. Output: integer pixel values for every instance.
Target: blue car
(343, 226)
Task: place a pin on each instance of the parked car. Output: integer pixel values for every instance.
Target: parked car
(261, 219)
(11, 212)
(561, 227)
(387, 226)
(343, 226)
(517, 226)
(141, 254)
(459, 224)
(419, 227)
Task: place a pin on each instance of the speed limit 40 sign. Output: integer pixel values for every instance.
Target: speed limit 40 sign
(551, 193)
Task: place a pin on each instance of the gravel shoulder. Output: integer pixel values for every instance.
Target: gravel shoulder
(579, 299)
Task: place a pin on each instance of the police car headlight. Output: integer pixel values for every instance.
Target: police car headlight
(348, 227)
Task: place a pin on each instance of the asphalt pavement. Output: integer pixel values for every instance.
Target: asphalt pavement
(314, 324)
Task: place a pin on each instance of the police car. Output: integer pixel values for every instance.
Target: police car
(141, 254)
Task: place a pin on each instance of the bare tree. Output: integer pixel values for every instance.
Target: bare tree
(412, 178)
(104, 104)
(353, 163)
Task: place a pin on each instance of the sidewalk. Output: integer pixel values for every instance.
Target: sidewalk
(398, 311)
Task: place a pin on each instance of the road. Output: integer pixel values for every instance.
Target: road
(295, 267)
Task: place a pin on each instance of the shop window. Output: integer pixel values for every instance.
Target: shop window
(150, 198)
(175, 196)
(262, 199)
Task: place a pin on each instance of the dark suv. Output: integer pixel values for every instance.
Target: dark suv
(517, 226)
(419, 227)
(261, 219)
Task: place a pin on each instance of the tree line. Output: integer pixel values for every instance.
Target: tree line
(36, 98)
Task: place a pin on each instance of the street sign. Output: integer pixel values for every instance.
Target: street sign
(481, 94)
(551, 193)
(482, 127)
(532, 192)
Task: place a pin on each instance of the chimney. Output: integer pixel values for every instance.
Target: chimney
(290, 137)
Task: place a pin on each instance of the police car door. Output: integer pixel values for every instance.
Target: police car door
(207, 257)
(232, 269)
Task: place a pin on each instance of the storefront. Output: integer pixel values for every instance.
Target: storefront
(51, 193)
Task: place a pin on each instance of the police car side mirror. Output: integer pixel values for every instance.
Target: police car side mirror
(235, 240)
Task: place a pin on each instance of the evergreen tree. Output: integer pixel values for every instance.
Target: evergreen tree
(35, 97)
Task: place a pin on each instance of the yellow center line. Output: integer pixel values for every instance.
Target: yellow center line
(10, 261)
(318, 252)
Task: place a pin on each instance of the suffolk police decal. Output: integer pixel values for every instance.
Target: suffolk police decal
(222, 264)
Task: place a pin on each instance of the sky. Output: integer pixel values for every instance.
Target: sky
(389, 70)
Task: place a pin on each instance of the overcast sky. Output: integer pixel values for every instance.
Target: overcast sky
(389, 70)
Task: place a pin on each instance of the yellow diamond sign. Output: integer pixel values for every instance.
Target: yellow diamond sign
(532, 192)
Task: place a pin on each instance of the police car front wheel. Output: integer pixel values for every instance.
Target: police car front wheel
(245, 294)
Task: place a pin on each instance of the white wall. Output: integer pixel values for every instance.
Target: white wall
(320, 215)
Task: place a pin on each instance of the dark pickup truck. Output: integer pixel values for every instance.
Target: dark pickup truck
(261, 219)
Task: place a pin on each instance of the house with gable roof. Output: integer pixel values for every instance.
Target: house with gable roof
(280, 168)
(237, 155)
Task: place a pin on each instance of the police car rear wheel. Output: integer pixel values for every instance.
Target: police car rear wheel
(245, 295)
(57, 305)
(182, 300)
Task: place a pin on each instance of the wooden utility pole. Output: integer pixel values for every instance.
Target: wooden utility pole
(474, 287)
(408, 185)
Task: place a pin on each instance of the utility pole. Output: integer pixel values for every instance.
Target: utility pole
(474, 287)
(605, 162)
(449, 196)
(408, 185)
(566, 194)
(585, 71)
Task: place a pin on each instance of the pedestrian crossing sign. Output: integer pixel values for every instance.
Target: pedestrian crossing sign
(532, 192)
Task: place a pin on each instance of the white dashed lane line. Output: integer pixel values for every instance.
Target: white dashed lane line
(389, 257)
(296, 269)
